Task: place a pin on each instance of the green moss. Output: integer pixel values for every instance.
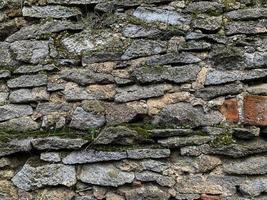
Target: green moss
(223, 139)
(228, 4)
(92, 133)
(141, 128)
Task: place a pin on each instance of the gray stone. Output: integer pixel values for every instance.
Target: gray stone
(142, 48)
(26, 69)
(50, 157)
(248, 28)
(164, 133)
(195, 150)
(255, 60)
(241, 149)
(246, 133)
(148, 153)
(66, 2)
(11, 111)
(204, 7)
(4, 74)
(254, 165)
(26, 81)
(207, 23)
(179, 74)
(50, 108)
(135, 31)
(15, 146)
(247, 14)
(21, 124)
(215, 77)
(211, 92)
(254, 187)
(173, 58)
(150, 14)
(3, 97)
(118, 135)
(216, 38)
(147, 176)
(195, 46)
(184, 141)
(90, 57)
(153, 165)
(30, 51)
(33, 177)
(105, 175)
(260, 89)
(132, 93)
(56, 143)
(6, 59)
(86, 76)
(92, 156)
(50, 11)
(29, 95)
(145, 192)
(43, 29)
(187, 196)
(181, 114)
(84, 120)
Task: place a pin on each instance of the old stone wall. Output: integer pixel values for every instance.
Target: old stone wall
(133, 100)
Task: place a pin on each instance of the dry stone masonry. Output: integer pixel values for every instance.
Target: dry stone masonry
(133, 99)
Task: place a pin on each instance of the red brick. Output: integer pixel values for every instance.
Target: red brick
(209, 197)
(230, 110)
(255, 110)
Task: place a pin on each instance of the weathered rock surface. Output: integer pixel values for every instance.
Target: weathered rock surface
(55, 143)
(32, 177)
(148, 153)
(105, 174)
(184, 141)
(246, 133)
(29, 95)
(147, 176)
(254, 188)
(21, 124)
(246, 14)
(11, 111)
(26, 81)
(15, 146)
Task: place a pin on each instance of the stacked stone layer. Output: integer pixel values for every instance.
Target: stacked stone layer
(133, 99)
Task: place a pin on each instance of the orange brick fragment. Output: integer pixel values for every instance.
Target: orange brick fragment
(230, 110)
(209, 197)
(255, 110)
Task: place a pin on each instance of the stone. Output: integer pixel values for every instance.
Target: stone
(254, 165)
(173, 142)
(148, 153)
(30, 51)
(207, 23)
(56, 11)
(84, 120)
(135, 31)
(6, 58)
(29, 95)
(229, 109)
(147, 176)
(173, 58)
(55, 193)
(215, 77)
(187, 196)
(204, 7)
(90, 57)
(254, 187)
(132, 93)
(120, 135)
(142, 48)
(26, 81)
(145, 192)
(44, 29)
(164, 133)
(211, 92)
(15, 146)
(7, 190)
(104, 175)
(50, 108)
(4, 74)
(195, 150)
(255, 110)
(247, 28)
(246, 133)
(113, 196)
(209, 197)
(26, 69)
(260, 89)
(241, 149)
(182, 114)
(92, 156)
(21, 124)
(181, 74)
(3, 97)
(56, 143)
(247, 14)
(31, 177)
(10, 111)
(50, 157)
(150, 14)
(195, 46)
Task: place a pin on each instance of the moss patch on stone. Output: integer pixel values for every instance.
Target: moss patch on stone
(223, 139)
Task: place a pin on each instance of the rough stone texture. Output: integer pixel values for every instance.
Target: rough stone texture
(26, 81)
(21, 124)
(229, 109)
(31, 177)
(105, 174)
(254, 188)
(29, 95)
(11, 111)
(148, 153)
